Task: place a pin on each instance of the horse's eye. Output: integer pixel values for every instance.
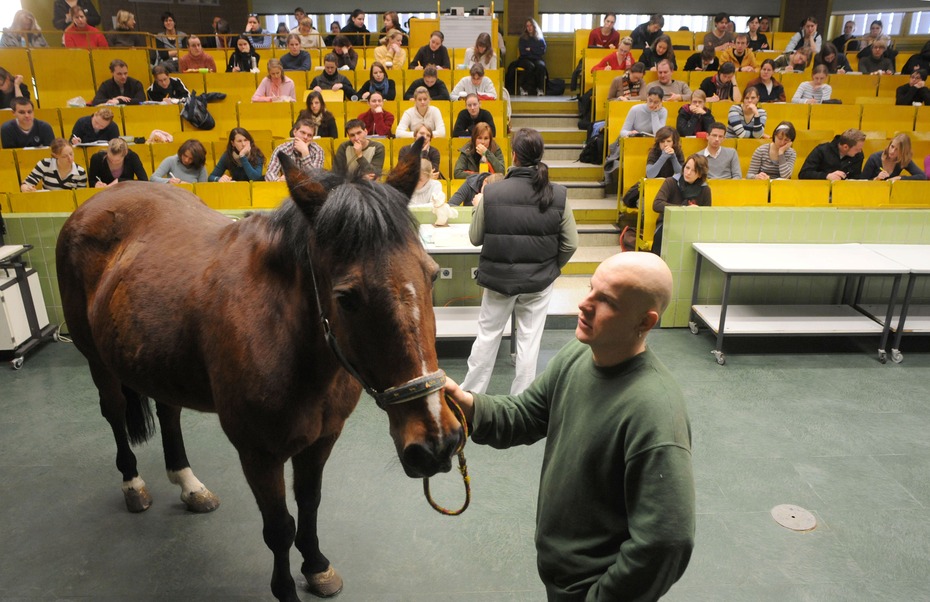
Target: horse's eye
(434, 276)
(348, 300)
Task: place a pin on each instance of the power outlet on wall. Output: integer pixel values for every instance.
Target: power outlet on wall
(445, 273)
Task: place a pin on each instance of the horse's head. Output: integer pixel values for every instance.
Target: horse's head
(374, 282)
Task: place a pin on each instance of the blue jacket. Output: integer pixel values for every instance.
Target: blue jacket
(532, 48)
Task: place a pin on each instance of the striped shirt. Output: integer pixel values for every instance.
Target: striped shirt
(46, 172)
(806, 91)
(761, 162)
(737, 126)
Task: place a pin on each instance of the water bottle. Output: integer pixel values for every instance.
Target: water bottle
(254, 64)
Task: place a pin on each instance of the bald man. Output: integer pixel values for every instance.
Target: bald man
(615, 515)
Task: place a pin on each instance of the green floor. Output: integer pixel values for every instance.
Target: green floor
(804, 421)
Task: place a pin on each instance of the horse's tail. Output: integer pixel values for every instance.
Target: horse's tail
(140, 425)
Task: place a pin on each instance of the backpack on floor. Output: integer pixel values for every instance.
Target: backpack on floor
(593, 149)
(555, 87)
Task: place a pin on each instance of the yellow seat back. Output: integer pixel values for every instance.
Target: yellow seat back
(860, 194)
(799, 193)
(52, 201)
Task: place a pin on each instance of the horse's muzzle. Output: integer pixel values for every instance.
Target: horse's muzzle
(425, 459)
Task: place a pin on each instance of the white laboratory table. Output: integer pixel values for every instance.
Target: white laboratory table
(456, 322)
(844, 318)
(24, 322)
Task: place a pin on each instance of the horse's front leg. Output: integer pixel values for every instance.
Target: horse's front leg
(194, 494)
(322, 578)
(265, 476)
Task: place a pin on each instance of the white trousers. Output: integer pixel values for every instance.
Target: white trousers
(530, 310)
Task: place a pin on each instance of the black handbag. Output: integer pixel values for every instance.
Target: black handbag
(196, 113)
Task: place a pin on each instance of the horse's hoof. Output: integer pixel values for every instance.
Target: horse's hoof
(325, 584)
(201, 501)
(137, 500)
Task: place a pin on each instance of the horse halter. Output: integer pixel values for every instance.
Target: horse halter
(410, 390)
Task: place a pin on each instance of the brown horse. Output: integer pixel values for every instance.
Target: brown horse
(264, 321)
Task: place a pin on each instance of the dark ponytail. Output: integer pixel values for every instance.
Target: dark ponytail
(528, 148)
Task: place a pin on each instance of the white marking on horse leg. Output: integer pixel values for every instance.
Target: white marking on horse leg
(136, 484)
(188, 482)
(433, 403)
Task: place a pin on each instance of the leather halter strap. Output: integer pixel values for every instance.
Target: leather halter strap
(410, 390)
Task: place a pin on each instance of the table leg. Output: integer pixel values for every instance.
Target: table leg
(718, 352)
(896, 355)
(886, 330)
(692, 316)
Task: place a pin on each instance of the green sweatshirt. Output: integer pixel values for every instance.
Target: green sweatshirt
(615, 515)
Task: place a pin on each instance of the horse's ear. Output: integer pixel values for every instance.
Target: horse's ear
(308, 194)
(406, 174)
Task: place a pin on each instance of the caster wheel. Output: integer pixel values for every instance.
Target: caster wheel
(882, 356)
(693, 327)
(720, 357)
(17, 363)
(896, 356)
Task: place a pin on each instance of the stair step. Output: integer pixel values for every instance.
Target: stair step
(586, 259)
(571, 170)
(598, 235)
(544, 104)
(565, 152)
(544, 122)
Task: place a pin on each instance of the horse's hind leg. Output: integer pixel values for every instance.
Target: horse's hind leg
(265, 476)
(322, 578)
(115, 400)
(194, 494)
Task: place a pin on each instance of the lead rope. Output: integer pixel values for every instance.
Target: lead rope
(462, 467)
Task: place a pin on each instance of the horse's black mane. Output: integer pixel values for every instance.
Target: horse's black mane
(360, 219)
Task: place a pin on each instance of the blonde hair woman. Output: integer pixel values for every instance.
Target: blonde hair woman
(116, 164)
(891, 162)
(421, 113)
(275, 87)
(24, 32)
(481, 53)
(390, 52)
(59, 172)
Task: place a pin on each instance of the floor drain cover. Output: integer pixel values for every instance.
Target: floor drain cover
(794, 517)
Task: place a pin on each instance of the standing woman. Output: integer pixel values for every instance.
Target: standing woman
(82, 35)
(59, 172)
(433, 53)
(243, 57)
(356, 29)
(390, 50)
(378, 82)
(421, 113)
(116, 164)
(242, 159)
(428, 152)
(891, 162)
(687, 189)
(275, 87)
(527, 232)
(481, 149)
(532, 49)
(747, 120)
(322, 119)
(660, 51)
(757, 40)
(63, 17)
(481, 53)
(768, 88)
(24, 32)
(776, 159)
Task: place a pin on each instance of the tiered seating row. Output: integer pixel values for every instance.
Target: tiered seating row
(814, 124)
(846, 194)
(225, 195)
(63, 74)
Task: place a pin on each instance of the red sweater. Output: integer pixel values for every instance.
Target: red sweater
(87, 38)
(614, 63)
(377, 124)
(596, 39)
